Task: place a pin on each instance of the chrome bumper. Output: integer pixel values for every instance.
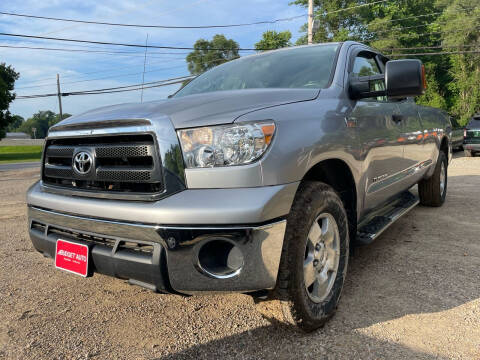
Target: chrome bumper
(173, 263)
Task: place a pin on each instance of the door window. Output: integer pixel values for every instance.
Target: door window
(366, 65)
(363, 66)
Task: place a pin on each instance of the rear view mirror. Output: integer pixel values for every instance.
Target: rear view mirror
(404, 78)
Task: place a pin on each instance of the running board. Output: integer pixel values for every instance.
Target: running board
(391, 213)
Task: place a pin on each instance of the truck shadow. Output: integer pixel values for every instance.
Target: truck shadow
(410, 280)
(274, 342)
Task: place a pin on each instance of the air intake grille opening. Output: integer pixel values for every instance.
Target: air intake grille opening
(100, 240)
(38, 226)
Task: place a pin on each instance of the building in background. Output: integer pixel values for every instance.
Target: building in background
(17, 135)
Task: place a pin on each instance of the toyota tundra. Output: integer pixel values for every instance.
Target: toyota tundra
(256, 177)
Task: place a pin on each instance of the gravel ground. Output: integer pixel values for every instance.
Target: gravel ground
(413, 294)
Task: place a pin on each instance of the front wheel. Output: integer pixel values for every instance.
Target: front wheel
(314, 259)
(432, 191)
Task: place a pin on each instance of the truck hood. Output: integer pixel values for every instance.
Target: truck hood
(212, 108)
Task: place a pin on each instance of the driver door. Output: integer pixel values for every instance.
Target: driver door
(380, 134)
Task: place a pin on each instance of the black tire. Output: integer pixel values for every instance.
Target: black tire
(468, 153)
(429, 190)
(293, 305)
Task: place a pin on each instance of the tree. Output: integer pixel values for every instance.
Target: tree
(208, 54)
(7, 82)
(41, 121)
(465, 68)
(17, 121)
(336, 23)
(414, 26)
(274, 40)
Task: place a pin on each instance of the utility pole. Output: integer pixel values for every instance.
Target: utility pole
(144, 64)
(59, 94)
(310, 22)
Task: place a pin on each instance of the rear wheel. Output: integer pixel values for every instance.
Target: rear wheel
(432, 191)
(314, 259)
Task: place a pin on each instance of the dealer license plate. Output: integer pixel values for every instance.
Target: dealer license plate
(72, 257)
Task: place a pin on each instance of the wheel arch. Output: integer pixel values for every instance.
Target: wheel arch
(337, 174)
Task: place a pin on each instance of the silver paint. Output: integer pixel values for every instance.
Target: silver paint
(311, 126)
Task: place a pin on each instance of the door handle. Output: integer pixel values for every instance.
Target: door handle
(396, 118)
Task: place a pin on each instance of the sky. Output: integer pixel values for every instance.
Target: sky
(85, 71)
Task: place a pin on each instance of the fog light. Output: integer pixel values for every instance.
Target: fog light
(220, 259)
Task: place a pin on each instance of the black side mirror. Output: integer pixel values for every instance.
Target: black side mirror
(404, 78)
(361, 87)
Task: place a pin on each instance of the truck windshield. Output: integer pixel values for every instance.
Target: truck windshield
(301, 68)
(474, 123)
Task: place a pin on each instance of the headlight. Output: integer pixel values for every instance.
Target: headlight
(225, 145)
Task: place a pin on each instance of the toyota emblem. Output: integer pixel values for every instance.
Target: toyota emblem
(82, 162)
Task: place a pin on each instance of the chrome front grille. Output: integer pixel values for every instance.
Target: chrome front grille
(117, 164)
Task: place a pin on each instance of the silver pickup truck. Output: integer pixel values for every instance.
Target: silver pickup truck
(256, 177)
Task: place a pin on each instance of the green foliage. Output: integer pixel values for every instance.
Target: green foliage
(7, 82)
(465, 68)
(20, 153)
(41, 121)
(272, 39)
(17, 121)
(432, 96)
(208, 54)
(453, 80)
(174, 160)
(338, 25)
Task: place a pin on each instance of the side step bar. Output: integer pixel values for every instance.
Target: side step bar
(386, 217)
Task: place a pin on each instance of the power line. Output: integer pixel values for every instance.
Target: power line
(405, 28)
(131, 53)
(101, 78)
(153, 26)
(151, 83)
(121, 44)
(409, 17)
(429, 47)
(113, 89)
(169, 47)
(354, 7)
(182, 65)
(431, 33)
(135, 89)
(263, 22)
(137, 6)
(381, 21)
(114, 52)
(114, 76)
(439, 53)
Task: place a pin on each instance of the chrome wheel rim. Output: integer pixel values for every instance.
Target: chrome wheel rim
(322, 257)
(443, 176)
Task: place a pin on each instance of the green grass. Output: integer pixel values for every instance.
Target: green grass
(11, 154)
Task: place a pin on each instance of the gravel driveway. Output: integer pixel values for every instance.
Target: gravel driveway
(413, 294)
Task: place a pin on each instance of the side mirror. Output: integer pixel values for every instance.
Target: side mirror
(361, 87)
(404, 78)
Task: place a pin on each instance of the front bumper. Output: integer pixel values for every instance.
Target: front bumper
(170, 258)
